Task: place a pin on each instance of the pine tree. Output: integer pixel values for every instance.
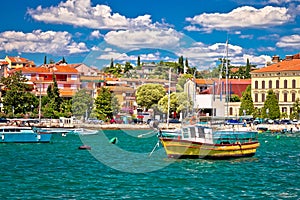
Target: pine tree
(138, 61)
(246, 103)
(271, 108)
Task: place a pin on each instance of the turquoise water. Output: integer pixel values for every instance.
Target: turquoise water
(126, 170)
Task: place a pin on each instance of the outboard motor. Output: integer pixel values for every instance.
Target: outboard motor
(154, 124)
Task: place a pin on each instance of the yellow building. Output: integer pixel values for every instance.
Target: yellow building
(283, 76)
(18, 62)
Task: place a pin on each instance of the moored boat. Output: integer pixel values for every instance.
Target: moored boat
(14, 134)
(196, 141)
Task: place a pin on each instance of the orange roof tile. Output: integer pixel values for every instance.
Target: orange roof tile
(47, 69)
(17, 59)
(4, 63)
(285, 65)
(65, 69)
(204, 81)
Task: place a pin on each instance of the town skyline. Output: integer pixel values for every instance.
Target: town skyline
(94, 32)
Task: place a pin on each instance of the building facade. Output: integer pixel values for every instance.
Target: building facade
(283, 77)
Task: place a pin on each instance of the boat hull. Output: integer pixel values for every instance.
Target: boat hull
(186, 149)
(25, 138)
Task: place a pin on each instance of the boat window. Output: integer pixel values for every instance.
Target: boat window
(6, 130)
(185, 132)
(201, 132)
(193, 132)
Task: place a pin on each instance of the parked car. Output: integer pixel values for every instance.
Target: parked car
(176, 121)
(255, 122)
(285, 121)
(3, 120)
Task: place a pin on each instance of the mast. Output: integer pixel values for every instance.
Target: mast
(40, 103)
(169, 92)
(227, 75)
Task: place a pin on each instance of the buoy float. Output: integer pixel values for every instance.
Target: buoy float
(85, 147)
(278, 137)
(113, 140)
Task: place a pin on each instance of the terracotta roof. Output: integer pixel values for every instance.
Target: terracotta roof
(30, 70)
(204, 81)
(47, 69)
(4, 63)
(285, 65)
(65, 69)
(236, 86)
(17, 59)
(120, 89)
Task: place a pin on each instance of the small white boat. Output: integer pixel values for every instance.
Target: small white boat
(83, 131)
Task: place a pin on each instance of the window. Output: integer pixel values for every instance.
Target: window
(230, 111)
(270, 84)
(293, 97)
(285, 97)
(60, 86)
(277, 84)
(28, 76)
(263, 85)
(293, 83)
(73, 87)
(73, 77)
(285, 84)
(256, 97)
(263, 97)
(256, 84)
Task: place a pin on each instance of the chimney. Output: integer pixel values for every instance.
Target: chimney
(289, 57)
(275, 59)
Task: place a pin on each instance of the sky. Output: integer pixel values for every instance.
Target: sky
(94, 32)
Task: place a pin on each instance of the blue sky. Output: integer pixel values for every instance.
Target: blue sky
(94, 31)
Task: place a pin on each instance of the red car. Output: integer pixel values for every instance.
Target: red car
(112, 121)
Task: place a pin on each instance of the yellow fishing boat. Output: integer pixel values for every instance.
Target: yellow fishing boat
(197, 141)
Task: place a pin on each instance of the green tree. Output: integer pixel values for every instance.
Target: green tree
(296, 110)
(149, 94)
(17, 98)
(271, 108)
(180, 65)
(246, 103)
(248, 69)
(127, 67)
(178, 102)
(234, 98)
(53, 101)
(181, 81)
(64, 60)
(82, 102)
(103, 104)
(111, 63)
(139, 61)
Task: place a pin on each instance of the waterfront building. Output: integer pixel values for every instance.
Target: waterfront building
(18, 62)
(39, 78)
(283, 77)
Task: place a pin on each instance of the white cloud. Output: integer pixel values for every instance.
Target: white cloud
(51, 42)
(246, 36)
(144, 38)
(266, 49)
(81, 13)
(243, 17)
(95, 34)
(205, 56)
(291, 42)
(192, 28)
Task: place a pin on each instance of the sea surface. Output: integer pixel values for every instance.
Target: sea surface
(136, 168)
